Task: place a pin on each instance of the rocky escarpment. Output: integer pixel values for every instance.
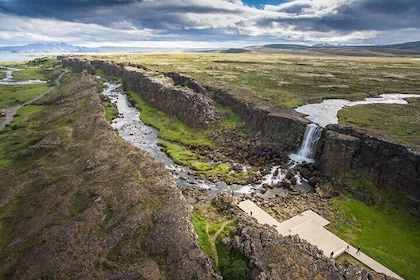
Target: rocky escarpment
(197, 110)
(78, 64)
(273, 256)
(395, 165)
(282, 126)
(276, 257)
(110, 69)
(159, 91)
(184, 97)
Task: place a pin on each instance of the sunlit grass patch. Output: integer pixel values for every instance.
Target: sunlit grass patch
(170, 128)
(110, 111)
(400, 121)
(388, 235)
(11, 95)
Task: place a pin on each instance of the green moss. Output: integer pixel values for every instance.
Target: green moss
(226, 261)
(170, 128)
(200, 225)
(178, 154)
(110, 111)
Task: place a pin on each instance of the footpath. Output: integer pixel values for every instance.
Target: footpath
(310, 226)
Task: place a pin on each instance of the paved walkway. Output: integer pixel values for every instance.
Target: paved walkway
(310, 226)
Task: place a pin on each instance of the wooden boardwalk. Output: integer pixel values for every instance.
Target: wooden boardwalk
(310, 226)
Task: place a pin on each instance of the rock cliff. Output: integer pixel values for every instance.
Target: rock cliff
(272, 256)
(159, 91)
(395, 165)
(276, 257)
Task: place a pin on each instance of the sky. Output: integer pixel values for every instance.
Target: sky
(208, 23)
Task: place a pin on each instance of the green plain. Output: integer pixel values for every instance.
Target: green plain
(388, 235)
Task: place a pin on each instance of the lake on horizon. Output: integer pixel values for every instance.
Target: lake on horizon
(12, 57)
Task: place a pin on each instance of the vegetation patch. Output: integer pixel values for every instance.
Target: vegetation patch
(290, 80)
(384, 232)
(170, 128)
(399, 121)
(211, 227)
(110, 111)
(11, 95)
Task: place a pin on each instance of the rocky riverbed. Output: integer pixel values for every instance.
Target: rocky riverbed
(270, 182)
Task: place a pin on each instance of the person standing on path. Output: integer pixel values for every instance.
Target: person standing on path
(358, 250)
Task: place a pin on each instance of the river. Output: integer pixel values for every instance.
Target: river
(144, 137)
(325, 113)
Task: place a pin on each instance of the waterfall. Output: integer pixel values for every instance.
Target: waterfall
(310, 139)
(307, 150)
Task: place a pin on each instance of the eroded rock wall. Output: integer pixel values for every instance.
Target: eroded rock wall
(159, 91)
(395, 165)
(273, 256)
(109, 68)
(78, 64)
(282, 125)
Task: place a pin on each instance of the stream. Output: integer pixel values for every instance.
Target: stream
(133, 130)
(11, 82)
(10, 112)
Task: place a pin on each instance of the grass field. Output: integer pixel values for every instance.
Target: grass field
(19, 94)
(401, 122)
(290, 80)
(384, 233)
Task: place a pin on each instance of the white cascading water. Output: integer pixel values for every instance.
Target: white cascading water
(307, 150)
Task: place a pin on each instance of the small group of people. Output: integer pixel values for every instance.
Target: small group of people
(347, 250)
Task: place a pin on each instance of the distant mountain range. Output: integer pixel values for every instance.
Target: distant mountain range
(58, 47)
(411, 48)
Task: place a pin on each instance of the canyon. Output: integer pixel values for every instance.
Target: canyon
(339, 149)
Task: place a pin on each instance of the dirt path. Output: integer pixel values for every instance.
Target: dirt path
(213, 241)
(11, 111)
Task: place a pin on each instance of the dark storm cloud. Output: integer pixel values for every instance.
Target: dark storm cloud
(357, 16)
(375, 15)
(141, 14)
(221, 20)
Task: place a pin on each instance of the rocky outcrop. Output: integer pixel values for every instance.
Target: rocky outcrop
(273, 256)
(159, 91)
(110, 69)
(338, 152)
(186, 82)
(395, 165)
(78, 64)
(281, 125)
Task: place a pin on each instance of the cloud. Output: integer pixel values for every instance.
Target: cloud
(210, 20)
